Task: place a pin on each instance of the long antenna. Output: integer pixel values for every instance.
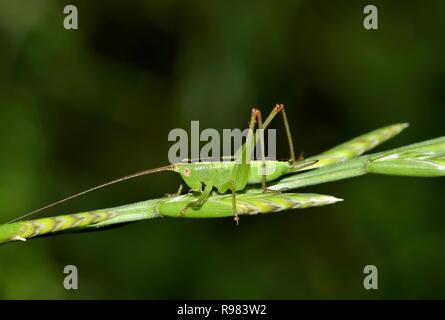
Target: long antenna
(131, 176)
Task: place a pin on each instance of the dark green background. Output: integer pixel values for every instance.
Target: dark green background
(80, 107)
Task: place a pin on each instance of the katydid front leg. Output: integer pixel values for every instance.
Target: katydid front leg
(205, 194)
(177, 193)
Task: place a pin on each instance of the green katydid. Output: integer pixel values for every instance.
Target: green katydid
(232, 175)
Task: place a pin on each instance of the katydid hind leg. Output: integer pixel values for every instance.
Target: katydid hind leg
(263, 156)
(256, 114)
(234, 207)
(241, 169)
(279, 108)
(242, 153)
(289, 135)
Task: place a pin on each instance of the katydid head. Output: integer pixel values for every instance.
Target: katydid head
(188, 174)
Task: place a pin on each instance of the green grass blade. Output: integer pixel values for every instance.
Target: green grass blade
(432, 146)
(217, 206)
(423, 159)
(328, 173)
(22, 230)
(410, 164)
(357, 146)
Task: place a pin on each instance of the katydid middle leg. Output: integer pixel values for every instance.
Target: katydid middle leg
(178, 193)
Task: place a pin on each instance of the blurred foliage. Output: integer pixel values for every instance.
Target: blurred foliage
(80, 107)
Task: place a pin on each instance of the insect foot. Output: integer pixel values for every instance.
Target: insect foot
(183, 210)
(194, 204)
(236, 219)
(169, 195)
(279, 107)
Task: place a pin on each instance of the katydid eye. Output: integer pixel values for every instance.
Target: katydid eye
(187, 172)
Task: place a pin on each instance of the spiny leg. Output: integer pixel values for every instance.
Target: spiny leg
(240, 156)
(204, 196)
(241, 169)
(263, 156)
(261, 126)
(234, 208)
(192, 203)
(277, 109)
(242, 166)
(177, 194)
(289, 135)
